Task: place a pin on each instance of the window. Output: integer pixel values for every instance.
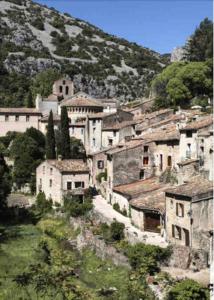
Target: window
(79, 184)
(94, 129)
(60, 89)
(66, 90)
(179, 209)
(16, 118)
(114, 133)
(69, 185)
(161, 162)
(94, 122)
(176, 232)
(145, 149)
(40, 181)
(6, 118)
(145, 160)
(82, 131)
(50, 183)
(27, 118)
(100, 164)
(94, 142)
(110, 142)
(202, 149)
(63, 82)
(51, 171)
(43, 169)
(169, 161)
(142, 174)
(189, 134)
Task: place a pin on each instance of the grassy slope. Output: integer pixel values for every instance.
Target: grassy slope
(18, 251)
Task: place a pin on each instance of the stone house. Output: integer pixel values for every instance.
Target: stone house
(161, 150)
(196, 142)
(18, 119)
(144, 202)
(56, 178)
(124, 164)
(97, 163)
(147, 211)
(189, 217)
(100, 131)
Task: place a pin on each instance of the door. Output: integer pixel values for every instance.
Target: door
(152, 222)
(169, 161)
(186, 235)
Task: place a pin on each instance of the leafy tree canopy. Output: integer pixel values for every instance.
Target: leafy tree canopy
(42, 83)
(199, 47)
(182, 81)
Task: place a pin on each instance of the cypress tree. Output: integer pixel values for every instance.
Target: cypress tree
(65, 137)
(50, 139)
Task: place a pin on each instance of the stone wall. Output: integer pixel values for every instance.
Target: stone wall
(96, 243)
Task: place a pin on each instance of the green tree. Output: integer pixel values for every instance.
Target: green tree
(199, 47)
(43, 205)
(43, 82)
(27, 156)
(188, 290)
(65, 137)
(5, 186)
(50, 139)
(77, 149)
(117, 231)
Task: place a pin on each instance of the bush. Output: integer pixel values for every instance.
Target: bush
(117, 208)
(74, 207)
(38, 23)
(145, 257)
(117, 231)
(42, 204)
(188, 290)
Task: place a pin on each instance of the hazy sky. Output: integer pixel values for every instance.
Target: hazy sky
(157, 24)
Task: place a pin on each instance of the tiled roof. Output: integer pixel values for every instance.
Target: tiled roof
(81, 100)
(196, 187)
(125, 146)
(137, 188)
(205, 122)
(100, 115)
(173, 118)
(19, 110)
(168, 133)
(152, 201)
(69, 165)
(118, 125)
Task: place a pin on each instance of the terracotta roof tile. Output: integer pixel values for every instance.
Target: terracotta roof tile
(152, 201)
(19, 110)
(81, 100)
(197, 186)
(69, 165)
(118, 125)
(195, 125)
(137, 188)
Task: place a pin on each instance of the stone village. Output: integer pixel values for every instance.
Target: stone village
(156, 167)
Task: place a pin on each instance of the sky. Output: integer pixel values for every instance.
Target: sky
(159, 25)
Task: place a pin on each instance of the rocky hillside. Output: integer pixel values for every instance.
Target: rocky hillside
(35, 38)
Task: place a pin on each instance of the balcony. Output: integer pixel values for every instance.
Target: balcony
(78, 191)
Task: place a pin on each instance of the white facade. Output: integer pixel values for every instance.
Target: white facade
(17, 121)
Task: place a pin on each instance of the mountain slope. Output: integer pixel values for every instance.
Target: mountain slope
(35, 38)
